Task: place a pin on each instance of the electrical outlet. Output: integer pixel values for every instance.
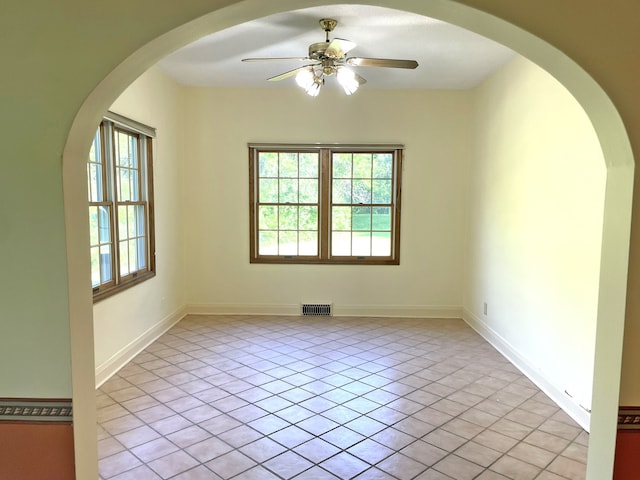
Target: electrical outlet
(484, 311)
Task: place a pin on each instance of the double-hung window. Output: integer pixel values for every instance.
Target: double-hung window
(119, 174)
(325, 203)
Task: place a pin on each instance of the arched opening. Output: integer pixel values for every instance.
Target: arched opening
(606, 121)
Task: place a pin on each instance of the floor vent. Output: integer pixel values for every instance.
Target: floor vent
(316, 310)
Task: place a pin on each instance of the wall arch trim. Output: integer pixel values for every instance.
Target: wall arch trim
(617, 217)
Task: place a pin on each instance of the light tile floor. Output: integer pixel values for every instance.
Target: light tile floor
(245, 397)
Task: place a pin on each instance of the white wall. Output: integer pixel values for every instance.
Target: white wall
(125, 322)
(502, 200)
(535, 226)
(433, 126)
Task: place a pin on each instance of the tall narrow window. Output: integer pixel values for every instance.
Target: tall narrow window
(325, 204)
(120, 207)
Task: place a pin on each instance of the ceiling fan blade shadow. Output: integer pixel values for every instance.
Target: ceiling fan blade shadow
(277, 59)
(361, 80)
(339, 47)
(381, 62)
(290, 73)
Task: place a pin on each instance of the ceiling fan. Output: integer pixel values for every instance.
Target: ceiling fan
(330, 58)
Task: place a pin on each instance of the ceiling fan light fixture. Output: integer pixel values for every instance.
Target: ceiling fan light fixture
(309, 81)
(314, 89)
(347, 80)
(305, 78)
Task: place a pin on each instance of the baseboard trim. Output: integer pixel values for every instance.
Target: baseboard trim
(575, 411)
(401, 311)
(119, 359)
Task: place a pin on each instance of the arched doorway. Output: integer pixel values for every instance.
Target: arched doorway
(606, 121)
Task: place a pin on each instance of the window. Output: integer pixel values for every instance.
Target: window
(325, 204)
(119, 175)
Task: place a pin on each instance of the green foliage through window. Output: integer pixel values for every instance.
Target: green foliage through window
(350, 214)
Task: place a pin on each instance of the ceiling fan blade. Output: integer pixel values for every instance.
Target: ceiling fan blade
(339, 47)
(275, 59)
(290, 73)
(381, 62)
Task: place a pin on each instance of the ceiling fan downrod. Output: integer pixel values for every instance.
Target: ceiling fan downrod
(328, 24)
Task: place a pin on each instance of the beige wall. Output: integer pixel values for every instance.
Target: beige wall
(535, 228)
(517, 159)
(125, 322)
(433, 126)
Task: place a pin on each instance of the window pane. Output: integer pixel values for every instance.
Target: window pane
(288, 218)
(288, 165)
(362, 191)
(341, 165)
(288, 243)
(341, 192)
(268, 164)
(362, 165)
(122, 223)
(95, 266)
(132, 213)
(104, 224)
(134, 186)
(382, 218)
(308, 191)
(308, 165)
(268, 217)
(124, 258)
(133, 255)
(142, 253)
(382, 165)
(123, 185)
(361, 218)
(268, 243)
(289, 191)
(105, 263)
(94, 227)
(95, 154)
(381, 244)
(126, 150)
(268, 190)
(340, 243)
(308, 218)
(382, 191)
(341, 218)
(308, 244)
(140, 221)
(94, 176)
(361, 244)
(133, 151)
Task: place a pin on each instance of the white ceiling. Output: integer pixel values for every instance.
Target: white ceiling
(449, 57)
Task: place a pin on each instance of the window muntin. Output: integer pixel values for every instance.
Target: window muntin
(120, 208)
(317, 204)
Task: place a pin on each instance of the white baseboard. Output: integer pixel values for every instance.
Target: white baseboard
(119, 359)
(581, 416)
(402, 311)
